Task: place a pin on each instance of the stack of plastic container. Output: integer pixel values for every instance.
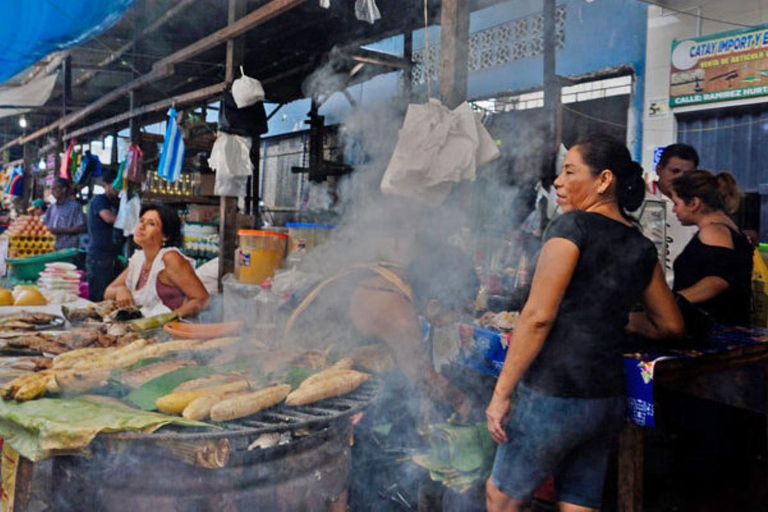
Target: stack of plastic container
(60, 282)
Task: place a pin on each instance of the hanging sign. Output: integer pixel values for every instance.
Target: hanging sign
(728, 66)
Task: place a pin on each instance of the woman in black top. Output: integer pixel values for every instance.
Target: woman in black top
(714, 271)
(564, 363)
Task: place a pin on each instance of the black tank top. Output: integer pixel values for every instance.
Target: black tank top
(699, 260)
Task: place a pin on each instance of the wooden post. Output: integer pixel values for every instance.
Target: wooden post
(30, 157)
(24, 472)
(631, 468)
(454, 50)
(552, 90)
(408, 57)
(228, 213)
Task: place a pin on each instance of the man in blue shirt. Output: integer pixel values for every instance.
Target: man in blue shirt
(64, 218)
(102, 249)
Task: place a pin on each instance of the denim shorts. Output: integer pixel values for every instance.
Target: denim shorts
(570, 438)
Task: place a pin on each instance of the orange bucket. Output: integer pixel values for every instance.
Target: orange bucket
(259, 255)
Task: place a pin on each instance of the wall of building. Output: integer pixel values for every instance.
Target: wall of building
(665, 26)
(505, 55)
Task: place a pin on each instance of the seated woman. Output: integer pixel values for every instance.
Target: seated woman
(159, 275)
(714, 271)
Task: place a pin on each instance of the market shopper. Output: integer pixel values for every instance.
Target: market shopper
(37, 208)
(558, 404)
(102, 253)
(675, 160)
(159, 278)
(714, 271)
(64, 218)
(736, 206)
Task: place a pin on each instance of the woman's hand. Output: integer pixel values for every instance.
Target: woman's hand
(496, 415)
(123, 297)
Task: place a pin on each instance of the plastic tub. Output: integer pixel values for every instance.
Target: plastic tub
(28, 269)
(259, 255)
(306, 236)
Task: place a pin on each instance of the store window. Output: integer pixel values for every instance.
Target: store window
(730, 139)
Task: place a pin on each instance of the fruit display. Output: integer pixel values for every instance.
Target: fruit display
(27, 296)
(28, 236)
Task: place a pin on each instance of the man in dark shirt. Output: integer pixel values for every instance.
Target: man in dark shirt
(102, 249)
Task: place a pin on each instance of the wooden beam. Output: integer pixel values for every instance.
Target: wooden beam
(252, 20)
(164, 67)
(156, 74)
(159, 22)
(454, 49)
(190, 97)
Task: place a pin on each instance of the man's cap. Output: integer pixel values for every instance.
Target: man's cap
(37, 203)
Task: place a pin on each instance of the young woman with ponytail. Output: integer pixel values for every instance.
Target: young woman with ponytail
(559, 402)
(714, 271)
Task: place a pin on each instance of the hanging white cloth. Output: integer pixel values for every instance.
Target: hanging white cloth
(436, 148)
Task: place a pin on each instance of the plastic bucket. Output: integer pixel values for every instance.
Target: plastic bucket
(259, 255)
(306, 236)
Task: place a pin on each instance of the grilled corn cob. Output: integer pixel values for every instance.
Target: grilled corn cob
(175, 403)
(250, 403)
(32, 389)
(334, 383)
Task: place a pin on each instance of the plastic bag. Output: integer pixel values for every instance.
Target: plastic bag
(117, 184)
(759, 310)
(132, 215)
(436, 148)
(122, 210)
(247, 91)
(248, 121)
(133, 163)
(90, 166)
(230, 156)
(231, 186)
(66, 161)
(366, 10)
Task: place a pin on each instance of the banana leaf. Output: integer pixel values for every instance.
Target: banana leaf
(152, 322)
(144, 397)
(40, 428)
(459, 455)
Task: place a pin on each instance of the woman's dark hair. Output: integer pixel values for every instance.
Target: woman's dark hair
(601, 152)
(171, 224)
(701, 184)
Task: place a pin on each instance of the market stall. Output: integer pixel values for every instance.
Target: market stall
(484, 349)
(209, 401)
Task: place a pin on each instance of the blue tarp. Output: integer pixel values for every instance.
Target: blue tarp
(31, 29)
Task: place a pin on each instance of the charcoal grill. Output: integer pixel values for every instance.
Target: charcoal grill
(303, 468)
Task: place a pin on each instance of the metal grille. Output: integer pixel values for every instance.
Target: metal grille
(277, 419)
(517, 39)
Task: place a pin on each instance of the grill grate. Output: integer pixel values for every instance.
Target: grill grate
(278, 419)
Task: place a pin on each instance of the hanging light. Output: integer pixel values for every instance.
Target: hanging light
(23, 122)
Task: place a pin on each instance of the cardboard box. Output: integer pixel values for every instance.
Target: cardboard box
(203, 213)
(207, 182)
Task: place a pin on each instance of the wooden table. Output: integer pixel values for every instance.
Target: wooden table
(669, 371)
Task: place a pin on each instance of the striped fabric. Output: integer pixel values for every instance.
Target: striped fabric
(172, 156)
